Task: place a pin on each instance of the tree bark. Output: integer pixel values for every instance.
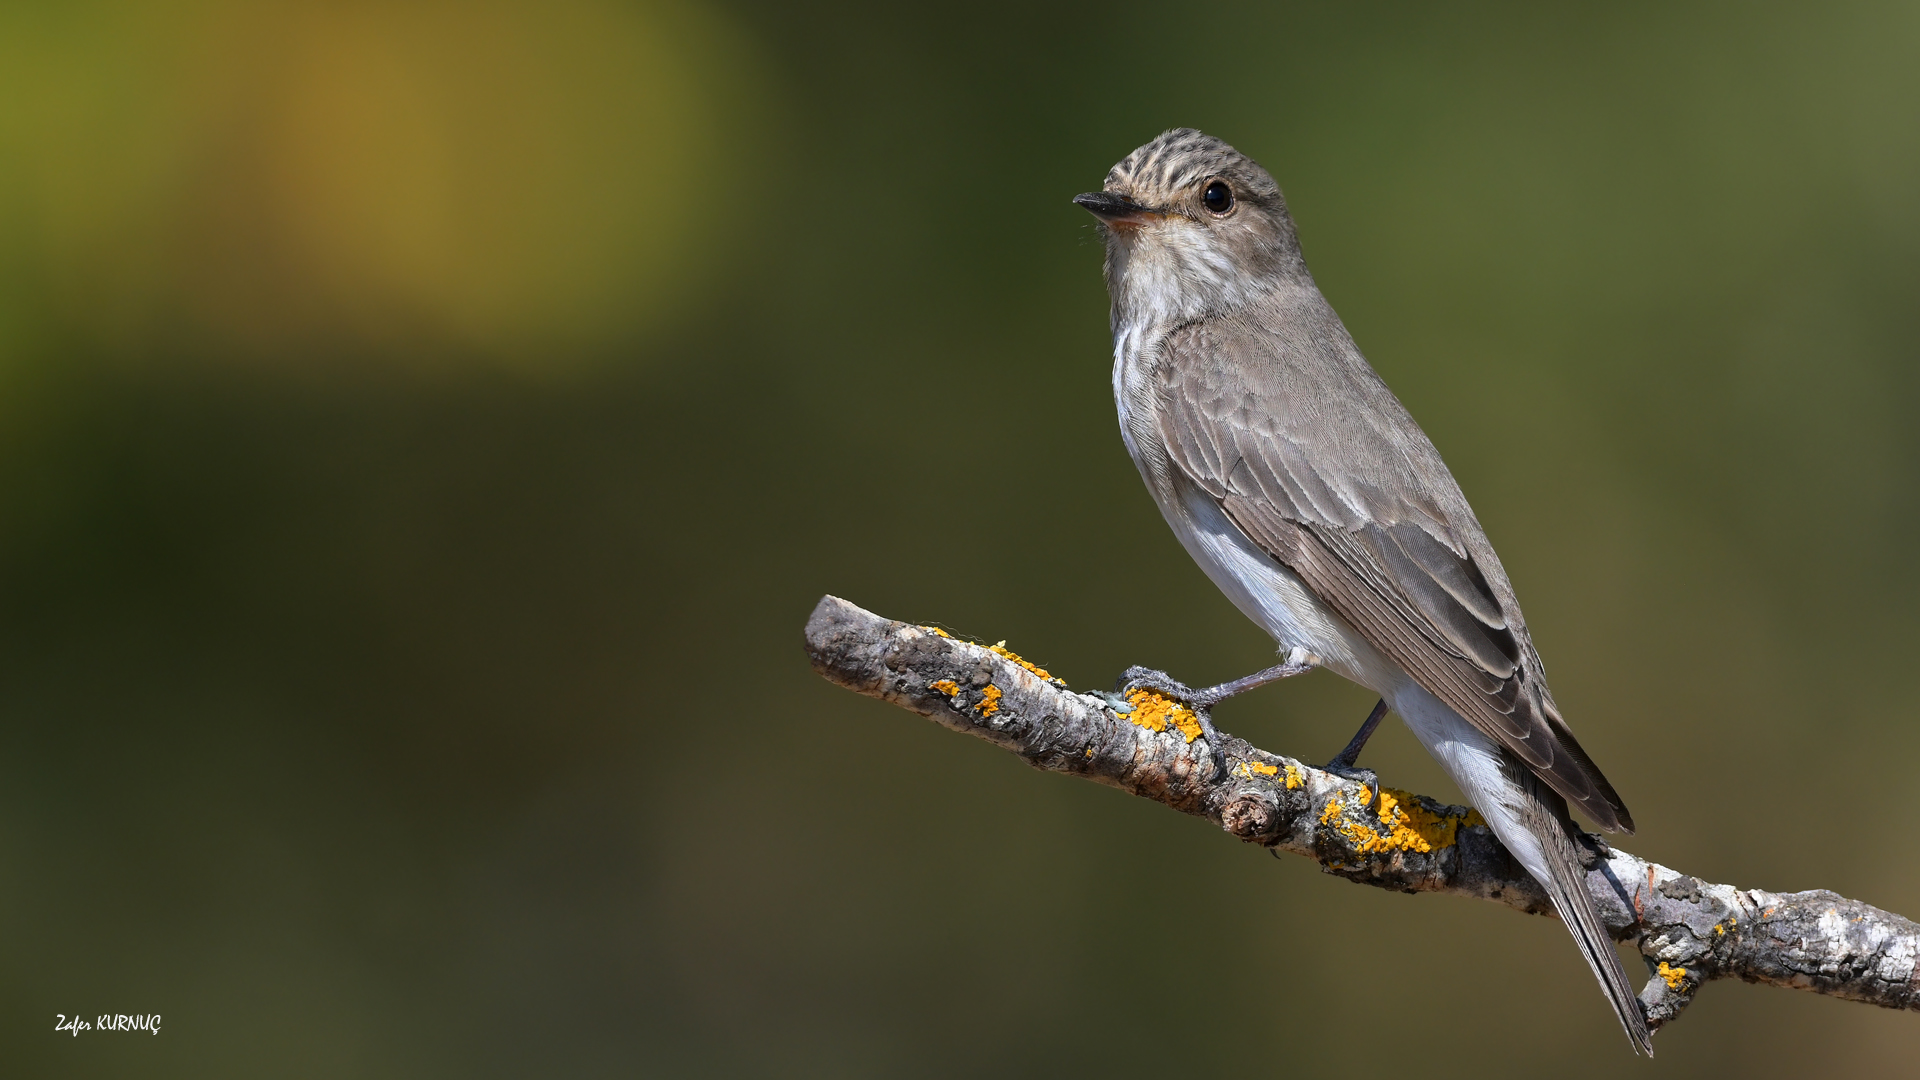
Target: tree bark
(1691, 932)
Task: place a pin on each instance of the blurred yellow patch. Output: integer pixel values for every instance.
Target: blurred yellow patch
(517, 180)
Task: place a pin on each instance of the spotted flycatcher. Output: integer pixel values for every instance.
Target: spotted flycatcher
(1305, 490)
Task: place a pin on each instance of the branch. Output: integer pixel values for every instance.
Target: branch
(1690, 931)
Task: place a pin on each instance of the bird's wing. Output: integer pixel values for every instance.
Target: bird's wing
(1359, 505)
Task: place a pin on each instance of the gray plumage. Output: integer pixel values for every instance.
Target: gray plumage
(1311, 497)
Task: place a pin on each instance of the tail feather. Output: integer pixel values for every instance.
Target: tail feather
(1531, 819)
(1566, 883)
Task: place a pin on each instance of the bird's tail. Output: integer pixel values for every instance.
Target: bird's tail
(1566, 882)
(1531, 819)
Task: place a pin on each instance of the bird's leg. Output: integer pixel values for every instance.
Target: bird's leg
(1343, 762)
(1298, 662)
(1345, 759)
(1201, 701)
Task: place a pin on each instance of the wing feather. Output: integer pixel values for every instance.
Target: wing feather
(1380, 541)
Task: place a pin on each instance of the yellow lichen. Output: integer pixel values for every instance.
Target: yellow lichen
(1002, 650)
(1247, 770)
(1406, 825)
(1155, 713)
(1676, 977)
(989, 701)
(1721, 928)
(989, 698)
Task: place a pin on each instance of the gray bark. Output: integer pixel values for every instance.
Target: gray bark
(1690, 931)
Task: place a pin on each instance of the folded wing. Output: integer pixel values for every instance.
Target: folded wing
(1362, 509)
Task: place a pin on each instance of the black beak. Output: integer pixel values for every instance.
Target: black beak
(1115, 209)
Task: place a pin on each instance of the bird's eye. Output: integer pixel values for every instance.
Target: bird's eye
(1218, 197)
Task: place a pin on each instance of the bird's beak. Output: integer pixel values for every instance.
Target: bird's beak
(1116, 209)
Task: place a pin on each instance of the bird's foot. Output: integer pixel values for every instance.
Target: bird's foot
(1197, 702)
(1298, 662)
(1360, 775)
(1146, 678)
(1200, 702)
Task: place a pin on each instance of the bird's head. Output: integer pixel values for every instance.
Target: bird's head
(1194, 228)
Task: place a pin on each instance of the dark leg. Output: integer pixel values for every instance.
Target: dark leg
(1343, 762)
(1345, 759)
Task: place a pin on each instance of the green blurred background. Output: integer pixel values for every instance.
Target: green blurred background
(424, 428)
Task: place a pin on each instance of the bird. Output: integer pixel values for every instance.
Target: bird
(1309, 495)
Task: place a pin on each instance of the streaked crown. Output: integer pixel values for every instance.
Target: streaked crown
(1178, 161)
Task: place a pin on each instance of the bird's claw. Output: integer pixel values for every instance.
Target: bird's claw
(1360, 775)
(1146, 678)
(1196, 702)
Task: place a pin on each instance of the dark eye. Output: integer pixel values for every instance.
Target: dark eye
(1218, 197)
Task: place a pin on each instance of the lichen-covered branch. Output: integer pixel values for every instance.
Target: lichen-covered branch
(1690, 931)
